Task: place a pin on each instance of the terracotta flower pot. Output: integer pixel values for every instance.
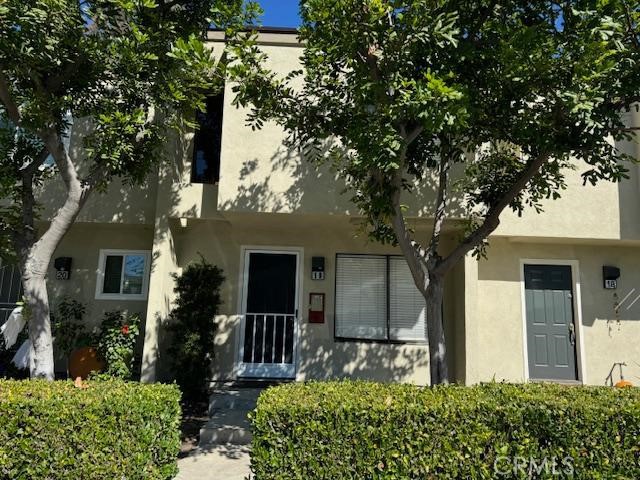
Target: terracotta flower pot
(83, 361)
(623, 383)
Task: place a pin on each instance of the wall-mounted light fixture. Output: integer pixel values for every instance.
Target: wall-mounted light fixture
(63, 268)
(610, 276)
(317, 268)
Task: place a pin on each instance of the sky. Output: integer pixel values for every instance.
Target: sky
(280, 13)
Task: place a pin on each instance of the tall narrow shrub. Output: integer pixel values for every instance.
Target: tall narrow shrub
(192, 324)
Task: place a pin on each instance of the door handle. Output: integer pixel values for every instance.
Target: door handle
(572, 334)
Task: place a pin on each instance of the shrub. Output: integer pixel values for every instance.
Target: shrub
(359, 430)
(116, 343)
(69, 330)
(193, 327)
(109, 430)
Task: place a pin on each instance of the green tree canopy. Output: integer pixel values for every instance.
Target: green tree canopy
(131, 69)
(395, 93)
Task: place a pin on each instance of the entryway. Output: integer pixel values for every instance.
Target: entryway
(269, 326)
(551, 333)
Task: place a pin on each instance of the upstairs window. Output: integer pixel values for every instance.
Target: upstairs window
(376, 299)
(123, 275)
(205, 167)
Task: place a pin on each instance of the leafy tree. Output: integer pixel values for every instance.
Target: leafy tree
(394, 93)
(128, 70)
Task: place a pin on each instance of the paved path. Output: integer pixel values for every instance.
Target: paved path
(219, 462)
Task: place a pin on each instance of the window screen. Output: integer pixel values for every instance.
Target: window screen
(364, 285)
(361, 299)
(407, 305)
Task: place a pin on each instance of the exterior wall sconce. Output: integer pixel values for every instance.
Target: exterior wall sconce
(610, 276)
(63, 268)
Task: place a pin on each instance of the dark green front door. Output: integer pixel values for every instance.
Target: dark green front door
(551, 335)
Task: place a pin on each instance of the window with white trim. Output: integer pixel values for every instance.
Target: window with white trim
(123, 275)
(376, 299)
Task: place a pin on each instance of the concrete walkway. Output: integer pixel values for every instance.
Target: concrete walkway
(218, 462)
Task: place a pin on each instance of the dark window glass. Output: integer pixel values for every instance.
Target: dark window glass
(206, 143)
(112, 274)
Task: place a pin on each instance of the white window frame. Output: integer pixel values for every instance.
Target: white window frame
(104, 253)
(388, 338)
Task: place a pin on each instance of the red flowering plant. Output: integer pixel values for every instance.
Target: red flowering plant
(117, 340)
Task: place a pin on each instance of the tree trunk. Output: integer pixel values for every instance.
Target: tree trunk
(37, 310)
(35, 257)
(435, 331)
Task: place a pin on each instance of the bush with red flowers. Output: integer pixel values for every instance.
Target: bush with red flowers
(117, 340)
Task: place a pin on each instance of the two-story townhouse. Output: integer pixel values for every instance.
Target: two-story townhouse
(307, 296)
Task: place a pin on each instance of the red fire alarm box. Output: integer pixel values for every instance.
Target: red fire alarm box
(316, 308)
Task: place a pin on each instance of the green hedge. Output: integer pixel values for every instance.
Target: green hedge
(110, 430)
(359, 430)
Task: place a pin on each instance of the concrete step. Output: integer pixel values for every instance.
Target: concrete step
(231, 399)
(226, 427)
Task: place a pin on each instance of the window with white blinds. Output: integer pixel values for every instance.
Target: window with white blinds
(364, 286)
(361, 298)
(407, 307)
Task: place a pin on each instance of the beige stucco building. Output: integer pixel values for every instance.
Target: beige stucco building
(536, 308)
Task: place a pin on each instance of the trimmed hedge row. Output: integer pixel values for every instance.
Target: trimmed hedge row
(109, 430)
(360, 430)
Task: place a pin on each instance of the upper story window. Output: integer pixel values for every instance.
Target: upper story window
(123, 275)
(205, 167)
(376, 299)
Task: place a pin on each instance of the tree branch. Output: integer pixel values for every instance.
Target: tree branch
(441, 205)
(33, 166)
(54, 144)
(492, 219)
(13, 112)
(409, 248)
(28, 208)
(414, 260)
(630, 30)
(413, 134)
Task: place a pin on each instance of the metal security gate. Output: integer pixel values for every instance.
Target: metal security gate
(10, 290)
(270, 310)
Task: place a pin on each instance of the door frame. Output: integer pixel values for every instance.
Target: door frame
(243, 283)
(577, 313)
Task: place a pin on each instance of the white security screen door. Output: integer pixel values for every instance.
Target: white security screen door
(270, 309)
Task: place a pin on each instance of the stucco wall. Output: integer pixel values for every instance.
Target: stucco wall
(495, 342)
(120, 203)
(320, 356)
(83, 244)
(605, 211)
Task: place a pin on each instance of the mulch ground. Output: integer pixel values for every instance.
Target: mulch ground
(194, 415)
